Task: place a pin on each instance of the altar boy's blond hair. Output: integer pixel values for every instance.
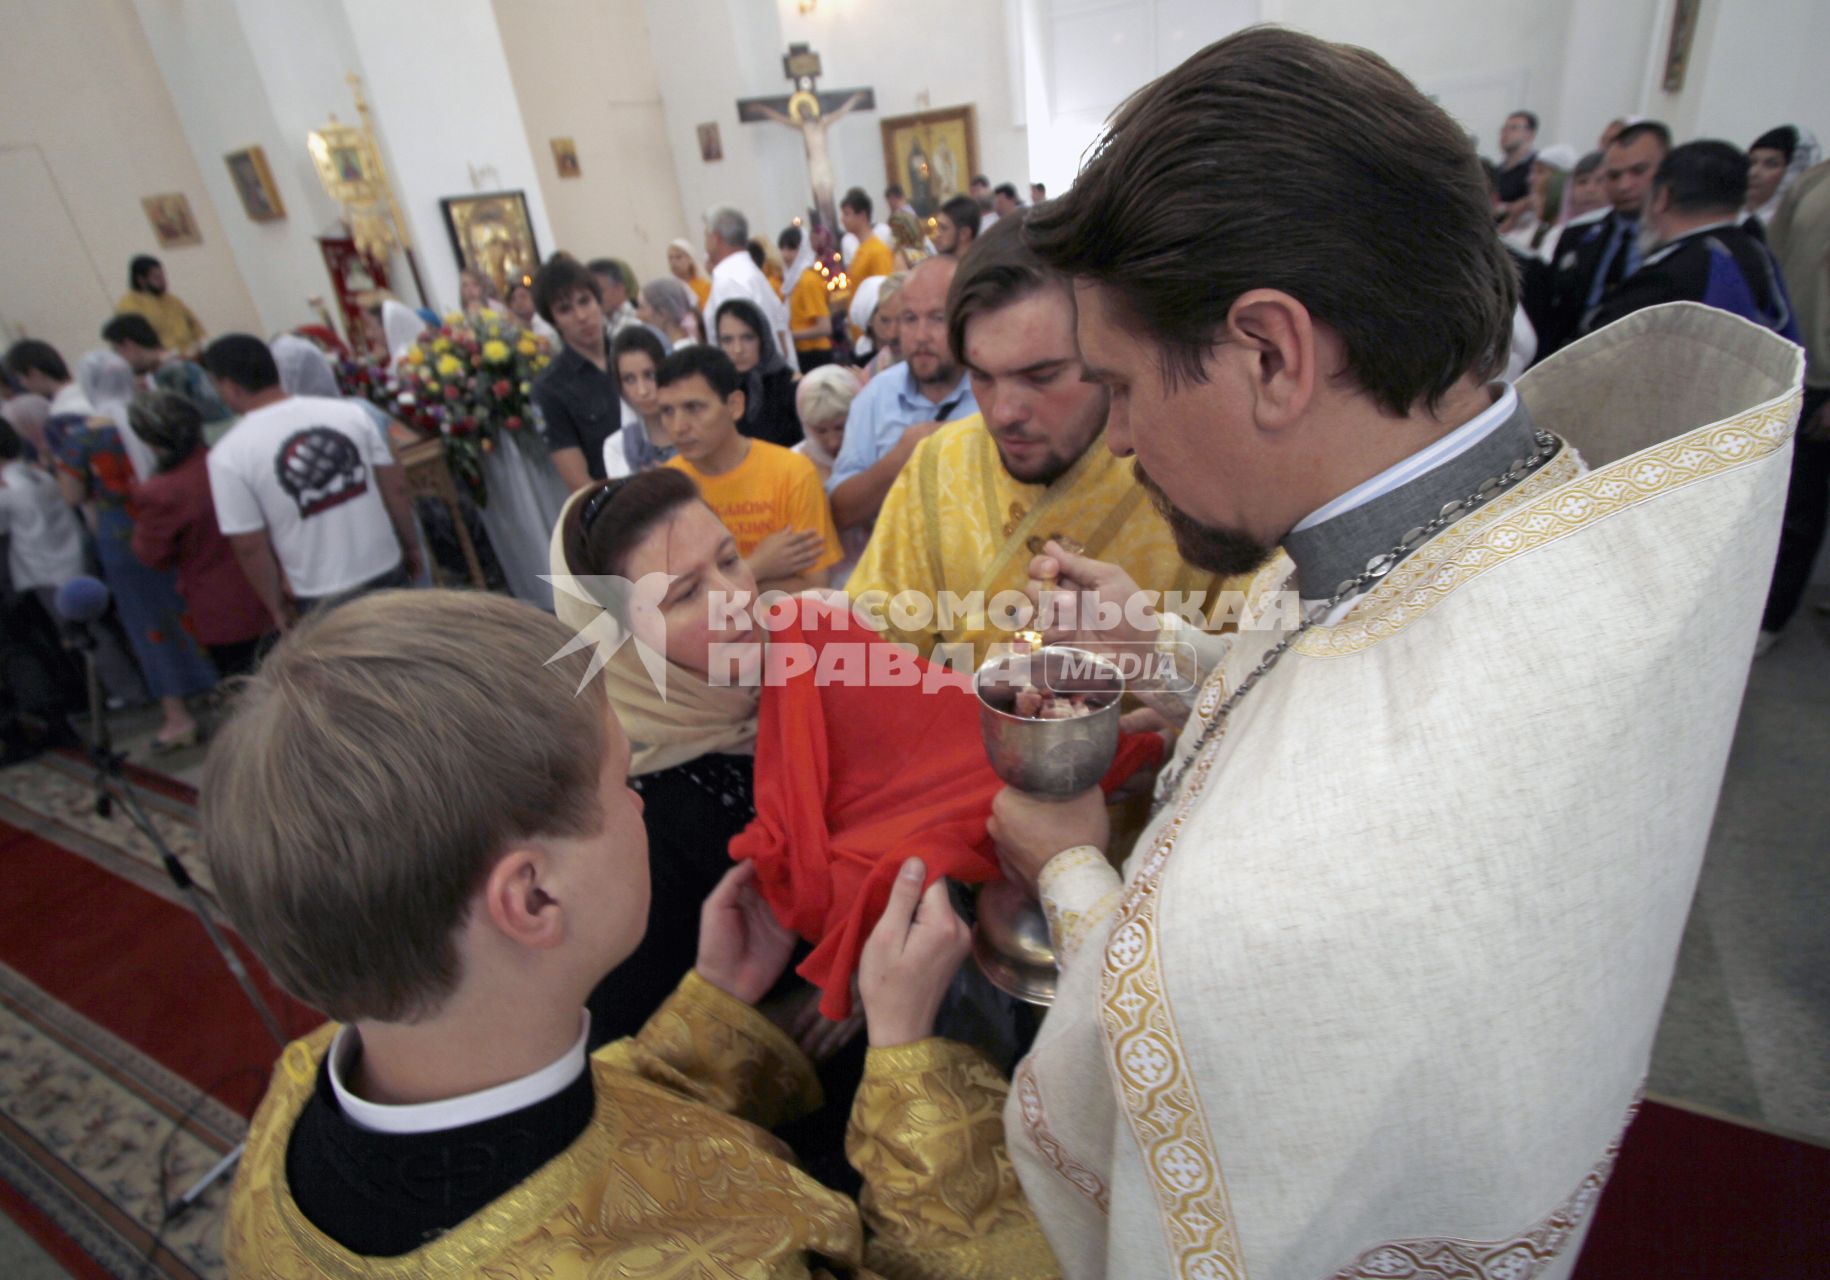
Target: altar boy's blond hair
(379, 764)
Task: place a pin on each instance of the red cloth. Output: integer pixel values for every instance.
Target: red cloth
(174, 527)
(854, 775)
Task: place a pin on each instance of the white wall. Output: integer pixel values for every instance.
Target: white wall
(87, 128)
(1755, 64)
(233, 62)
(449, 120)
(584, 69)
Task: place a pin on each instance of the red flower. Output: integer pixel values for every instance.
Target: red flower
(514, 423)
(451, 392)
(502, 386)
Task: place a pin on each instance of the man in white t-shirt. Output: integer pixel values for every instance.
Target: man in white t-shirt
(305, 488)
(734, 275)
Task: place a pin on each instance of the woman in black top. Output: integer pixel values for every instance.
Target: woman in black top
(692, 749)
(768, 382)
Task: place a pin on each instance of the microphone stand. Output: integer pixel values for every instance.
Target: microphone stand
(111, 784)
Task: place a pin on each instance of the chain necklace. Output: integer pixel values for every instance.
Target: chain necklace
(1375, 569)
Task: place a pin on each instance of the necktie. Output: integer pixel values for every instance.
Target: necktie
(1620, 261)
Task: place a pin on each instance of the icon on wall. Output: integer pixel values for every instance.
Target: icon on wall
(710, 147)
(492, 234)
(565, 155)
(254, 184)
(932, 155)
(171, 220)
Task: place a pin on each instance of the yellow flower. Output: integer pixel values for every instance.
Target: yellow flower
(542, 362)
(525, 388)
(495, 351)
(416, 356)
(431, 385)
(494, 330)
(527, 346)
(450, 366)
(454, 317)
(441, 344)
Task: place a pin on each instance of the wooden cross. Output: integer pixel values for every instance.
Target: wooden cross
(812, 113)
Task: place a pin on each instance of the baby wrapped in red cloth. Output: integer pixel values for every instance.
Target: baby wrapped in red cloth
(866, 756)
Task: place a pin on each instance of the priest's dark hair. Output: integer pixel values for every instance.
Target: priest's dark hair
(131, 326)
(1275, 160)
(1000, 268)
(30, 355)
(243, 359)
(1708, 176)
(607, 520)
(559, 280)
(964, 211)
(137, 270)
(704, 361)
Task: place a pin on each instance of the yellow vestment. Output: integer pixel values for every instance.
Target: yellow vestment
(674, 1177)
(179, 330)
(955, 521)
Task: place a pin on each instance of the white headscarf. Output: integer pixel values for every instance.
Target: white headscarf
(863, 307)
(803, 259)
(108, 381)
(402, 325)
(304, 370)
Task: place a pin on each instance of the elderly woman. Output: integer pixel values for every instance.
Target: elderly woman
(768, 386)
(823, 401)
(668, 306)
(175, 528)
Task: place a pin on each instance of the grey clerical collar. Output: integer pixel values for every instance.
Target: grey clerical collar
(1338, 549)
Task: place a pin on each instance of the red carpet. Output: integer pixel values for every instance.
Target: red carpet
(119, 1023)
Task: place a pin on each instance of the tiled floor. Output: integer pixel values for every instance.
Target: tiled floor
(1747, 1025)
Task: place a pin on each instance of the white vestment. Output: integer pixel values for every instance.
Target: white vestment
(1379, 986)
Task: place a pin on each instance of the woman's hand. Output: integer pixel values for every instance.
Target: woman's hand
(786, 553)
(910, 958)
(742, 949)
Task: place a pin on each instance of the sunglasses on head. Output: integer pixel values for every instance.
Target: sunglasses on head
(600, 501)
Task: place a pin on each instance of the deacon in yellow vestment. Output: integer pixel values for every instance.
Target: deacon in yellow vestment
(179, 330)
(956, 521)
(676, 1177)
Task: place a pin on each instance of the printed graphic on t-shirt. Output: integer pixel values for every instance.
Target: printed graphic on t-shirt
(320, 469)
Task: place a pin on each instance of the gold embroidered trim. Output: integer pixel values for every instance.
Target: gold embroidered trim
(1558, 503)
(1075, 1174)
(1519, 1258)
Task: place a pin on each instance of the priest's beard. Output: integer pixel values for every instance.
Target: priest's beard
(1223, 551)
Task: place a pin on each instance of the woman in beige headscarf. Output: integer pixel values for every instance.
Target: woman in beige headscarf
(637, 564)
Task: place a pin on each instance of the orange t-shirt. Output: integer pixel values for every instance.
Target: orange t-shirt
(772, 488)
(702, 289)
(872, 259)
(808, 303)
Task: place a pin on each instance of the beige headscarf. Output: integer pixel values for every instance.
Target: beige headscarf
(693, 719)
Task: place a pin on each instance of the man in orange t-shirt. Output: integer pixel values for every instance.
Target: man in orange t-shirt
(770, 498)
(873, 256)
(809, 303)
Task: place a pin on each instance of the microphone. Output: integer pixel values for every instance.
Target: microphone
(81, 600)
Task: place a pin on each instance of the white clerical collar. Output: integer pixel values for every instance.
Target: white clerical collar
(450, 1113)
(1458, 441)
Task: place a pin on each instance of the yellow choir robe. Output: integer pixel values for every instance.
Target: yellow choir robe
(676, 1175)
(956, 521)
(179, 330)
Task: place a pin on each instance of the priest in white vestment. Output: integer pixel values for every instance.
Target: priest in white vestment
(1375, 993)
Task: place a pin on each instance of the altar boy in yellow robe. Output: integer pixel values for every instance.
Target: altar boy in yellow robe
(424, 828)
(1031, 465)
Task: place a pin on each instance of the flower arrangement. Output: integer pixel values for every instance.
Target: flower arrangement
(468, 381)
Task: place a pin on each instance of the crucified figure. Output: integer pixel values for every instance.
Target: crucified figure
(804, 114)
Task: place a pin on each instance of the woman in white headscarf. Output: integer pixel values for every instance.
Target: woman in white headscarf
(402, 326)
(98, 464)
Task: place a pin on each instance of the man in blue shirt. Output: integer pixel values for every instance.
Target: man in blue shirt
(903, 405)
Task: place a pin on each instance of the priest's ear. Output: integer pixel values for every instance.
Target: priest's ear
(516, 902)
(1276, 343)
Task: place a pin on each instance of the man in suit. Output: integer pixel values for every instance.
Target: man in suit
(1592, 257)
(1703, 253)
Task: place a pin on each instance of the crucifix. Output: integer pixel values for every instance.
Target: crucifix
(811, 113)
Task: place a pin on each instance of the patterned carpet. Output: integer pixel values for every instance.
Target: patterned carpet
(128, 1057)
